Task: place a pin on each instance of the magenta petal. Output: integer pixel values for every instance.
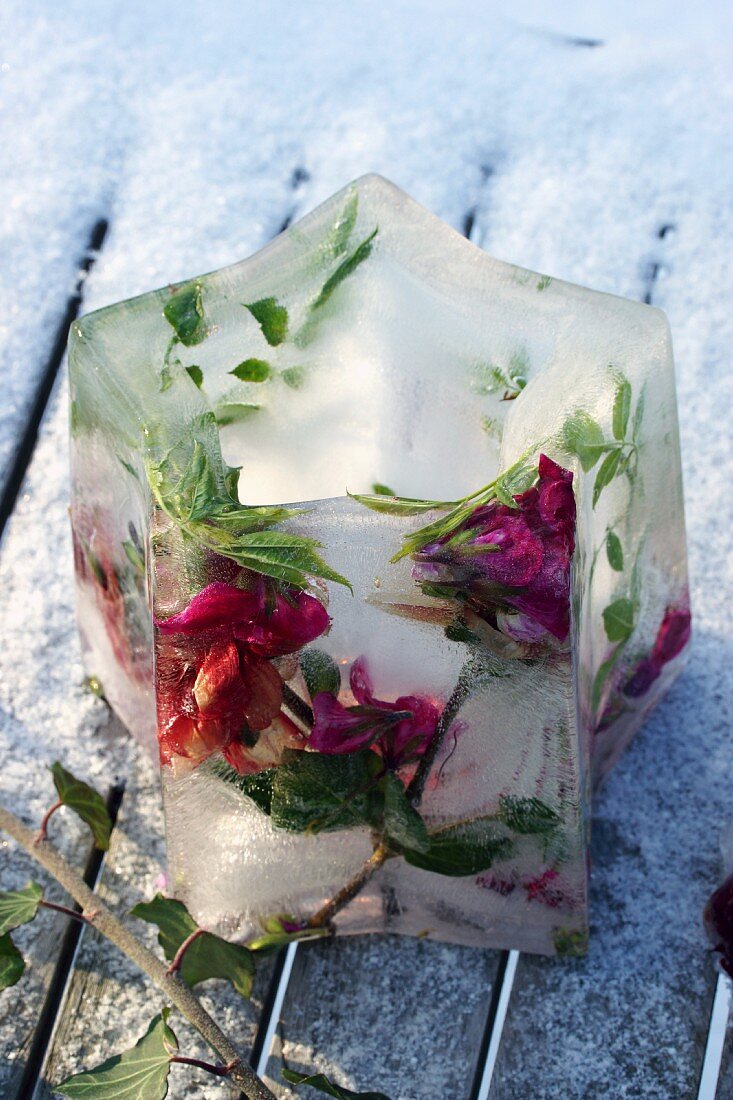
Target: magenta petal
(673, 635)
(218, 605)
(517, 557)
(413, 735)
(338, 730)
(361, 683)
(293, 622)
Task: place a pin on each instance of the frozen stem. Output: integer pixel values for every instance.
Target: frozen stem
(325, 915)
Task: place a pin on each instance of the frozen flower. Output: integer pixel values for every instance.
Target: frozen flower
(672, 637)
(503, 560)
(718, 919)
(217, 688)
(399, 731)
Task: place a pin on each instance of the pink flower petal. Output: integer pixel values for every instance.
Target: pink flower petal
(285, 625)
(217, 606)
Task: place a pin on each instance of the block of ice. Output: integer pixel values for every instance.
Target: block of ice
(380, 544)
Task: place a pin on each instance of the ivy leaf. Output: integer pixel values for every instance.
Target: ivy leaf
(614, 551)
(464, 849)
(344, 269)
(209, 956)
(320, 672)
(185, 313)
(582, 436)
(235, 412)
(12, 963)
(286, 557)
(606, 473)
(321, 1083)
(196, 375)
(272, 319)
(252, 370)
(529, 816)
(398, 506)
(618, 619)
(258, 786)
(137, 1074)
(314, 792)
(621, 407)
(85, 802)
(402, 823)
(19, 906)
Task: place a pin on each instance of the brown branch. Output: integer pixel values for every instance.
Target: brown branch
(218, 1071)
(108, 925)
(43, 827)
(325, 915)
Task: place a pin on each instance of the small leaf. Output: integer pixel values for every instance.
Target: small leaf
(272, 319)
(209, 956)
(137, 1074)
(338, 238)
(621, 407)
(12, 963)
(235, 412)
(196, 375)
(638, 417)
(314, 792)
(284, 556)
(514, 483)
(185, 313)
(529, 816)
(614, 551)
(601, 676)
(85, 802)
(618, 620)
(293, 377)
(583, 437)
(402, 823)
(382, 490)
(197, 486)
(19, 906)
(273, 941)
(606, 473)
(321, 1083)
(257, 786)
(252, 370)
(320, 672)
(345, 268)
(398, 506)
(134, 556)
(543, 282)
(464, 849)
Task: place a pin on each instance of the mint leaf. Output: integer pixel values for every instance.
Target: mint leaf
(19, 906)
(185, 313)
(606, 473)
(464, 849)
(137, 1074)
(614, 551)
(582, 436)
(85, 802)
(197, 486)
(252, 370)
(294, 377)
(272, 319)
(286, 557)
(345, 268)
(314, 792)
(618, 620)
(402, 823)
(320, 672)
(321, 1083)
(196, 375)
(235, 412)
(12, 963)
(529, 816)
(209, 956)
(258, 786)
(621, 407)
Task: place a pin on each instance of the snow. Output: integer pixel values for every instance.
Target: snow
(198, 132)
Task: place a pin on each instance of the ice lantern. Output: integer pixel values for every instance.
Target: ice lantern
(380, 545)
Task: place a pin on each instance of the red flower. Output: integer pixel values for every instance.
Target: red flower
(400, 731)
(216, 687)
(718, 920)
(511, 559)
(672, 637)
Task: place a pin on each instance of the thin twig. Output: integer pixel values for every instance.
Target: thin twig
(218, 1071)
(109, 926)
(43, 827)
(450, 711)
(175, 966)
(325, 915)
(67, 911)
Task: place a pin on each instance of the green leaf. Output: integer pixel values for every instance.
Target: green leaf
(321, 1083)
(614, 551)
(19, 906)
(338, 238)
(252, 370)
(286, 557)
(464, 849)
(196, 375)
(570, 942)
(185, 313)
(345, 268)
(209, 956)
(582, 436)
(273, 941)
(398, 506)
(382, 490)
(601, 676)
(12, 963)
(85, 802)
(293, 377)
(235, 412)
(272, 319)
(320, 672)
(529, 816)
(606, 473)
(133, 555)
(543, 282)
(137, 1074)
(258, 786)
(402, 823)
(314, 792)
(621, 407)
(197, 486)
(638, 416)
(514, 482)
(618, 619)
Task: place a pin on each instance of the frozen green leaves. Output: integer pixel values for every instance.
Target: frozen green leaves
(184, 312)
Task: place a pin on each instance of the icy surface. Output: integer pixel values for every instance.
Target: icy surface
(606, 165)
